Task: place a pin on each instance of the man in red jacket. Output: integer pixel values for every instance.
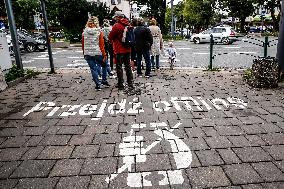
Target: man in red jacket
(121, 51)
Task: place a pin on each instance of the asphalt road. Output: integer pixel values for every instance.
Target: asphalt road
(237, 55)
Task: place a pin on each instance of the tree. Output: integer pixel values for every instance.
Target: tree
(240, 9)
(178, 13)
(23, 12)
(199, 12)
(2, 9)
(72, 15)
(271, 5)
(157, 9)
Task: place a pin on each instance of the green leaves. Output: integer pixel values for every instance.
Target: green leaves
(70, 15)
(199, 12)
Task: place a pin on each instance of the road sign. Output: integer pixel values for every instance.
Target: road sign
(38, 22)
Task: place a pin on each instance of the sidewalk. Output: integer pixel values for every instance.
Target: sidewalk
(187, 129)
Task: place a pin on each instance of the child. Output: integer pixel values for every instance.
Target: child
(172, 53)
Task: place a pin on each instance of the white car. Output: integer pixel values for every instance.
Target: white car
(225, 35)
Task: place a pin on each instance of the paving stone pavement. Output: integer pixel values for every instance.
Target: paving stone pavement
(182, 129)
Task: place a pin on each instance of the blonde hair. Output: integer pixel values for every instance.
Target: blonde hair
(153, 22)
(93, 20)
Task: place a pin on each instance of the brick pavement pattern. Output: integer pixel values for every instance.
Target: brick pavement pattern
(231, 147)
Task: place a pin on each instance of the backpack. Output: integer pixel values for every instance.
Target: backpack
(128, 37)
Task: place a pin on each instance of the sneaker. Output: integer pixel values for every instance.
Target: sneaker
(120, 87)
(140, 75)
(131, 87)
(148, 76)
(98, 88)
(112, 77)
(105, 83)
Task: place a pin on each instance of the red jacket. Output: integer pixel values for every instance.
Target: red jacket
(115, 37)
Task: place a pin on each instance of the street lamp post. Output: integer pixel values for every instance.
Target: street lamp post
(280, 54)
(172, 18)
(14, 34)
(47, 36)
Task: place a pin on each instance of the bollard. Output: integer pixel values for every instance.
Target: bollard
(265, 44)
(211, 51)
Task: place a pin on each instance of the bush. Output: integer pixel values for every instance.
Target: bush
(247, 74)
(74, 37)
(213, 69)
(264, 73)
(169, 37)
(31, 73)
(15, 73)
(274, 34)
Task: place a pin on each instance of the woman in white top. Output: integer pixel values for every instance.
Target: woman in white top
(94, 51)
(157, 43)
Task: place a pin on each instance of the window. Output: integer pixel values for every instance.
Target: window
(217, 30)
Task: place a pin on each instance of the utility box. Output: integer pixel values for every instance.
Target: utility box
(3, 84)
(5, 60)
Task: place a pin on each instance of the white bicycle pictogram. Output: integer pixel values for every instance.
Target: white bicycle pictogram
(131, 148)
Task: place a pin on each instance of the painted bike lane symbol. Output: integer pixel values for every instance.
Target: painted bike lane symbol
(132, 146)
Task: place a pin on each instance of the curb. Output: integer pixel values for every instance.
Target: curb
(76, 45)
(16, 81)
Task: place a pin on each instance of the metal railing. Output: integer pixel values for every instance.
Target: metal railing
(265, 44)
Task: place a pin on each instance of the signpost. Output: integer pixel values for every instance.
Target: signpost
(172, 18)
(280, 54)
(38, 22)
(47, 36)
(14, 35)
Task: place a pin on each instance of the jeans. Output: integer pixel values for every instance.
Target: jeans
(146, 55)
(95, 64)
(120, 60)
(108, 68)
(157, 61)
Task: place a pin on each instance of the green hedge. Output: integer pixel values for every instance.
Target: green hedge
(15, 73)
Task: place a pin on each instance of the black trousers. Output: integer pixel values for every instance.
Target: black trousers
(124, 59)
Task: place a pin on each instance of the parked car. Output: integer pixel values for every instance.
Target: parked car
(225, 35)
(32, 43)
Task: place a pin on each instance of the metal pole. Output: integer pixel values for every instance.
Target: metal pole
(172, 17)
(265, 46)
(211, 52)
(14, 35)
(280, 54)
(47, 36)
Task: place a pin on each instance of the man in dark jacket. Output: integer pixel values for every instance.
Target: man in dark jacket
(121, 52)
(143, 43)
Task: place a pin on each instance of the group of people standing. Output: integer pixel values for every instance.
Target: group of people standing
(102, 43)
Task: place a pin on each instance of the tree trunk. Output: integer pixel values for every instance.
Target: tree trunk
(275, 20)
(163, 17)
(243, 21)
